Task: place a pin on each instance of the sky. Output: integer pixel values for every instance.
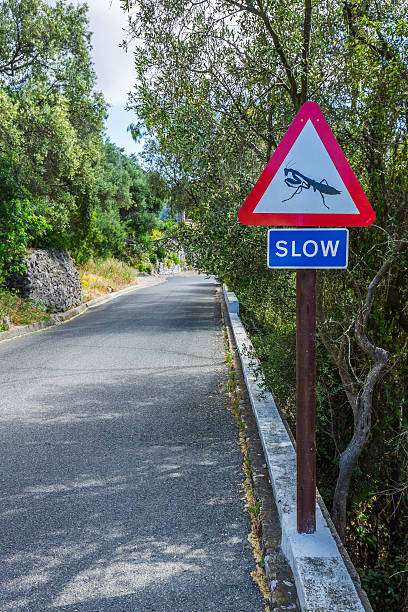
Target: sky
(113, 67)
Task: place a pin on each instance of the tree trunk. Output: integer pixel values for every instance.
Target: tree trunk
(362, 406)
(349, 457)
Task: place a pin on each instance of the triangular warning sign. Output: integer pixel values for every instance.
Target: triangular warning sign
(308, 181)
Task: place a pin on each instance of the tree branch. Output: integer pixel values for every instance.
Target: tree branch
(261, 13)
(307, 24)
(362, 415)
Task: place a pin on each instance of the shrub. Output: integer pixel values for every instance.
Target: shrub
(112, 234)
(19, 226)
(145, 267)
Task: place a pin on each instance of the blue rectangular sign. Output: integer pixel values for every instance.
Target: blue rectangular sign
(314, 248)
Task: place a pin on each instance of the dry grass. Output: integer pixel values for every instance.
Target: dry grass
(251, 504)
(100, 277)
(20, 311)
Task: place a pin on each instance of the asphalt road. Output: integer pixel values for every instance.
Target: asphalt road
(120, 485)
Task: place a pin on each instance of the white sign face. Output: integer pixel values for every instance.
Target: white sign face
(307, 181)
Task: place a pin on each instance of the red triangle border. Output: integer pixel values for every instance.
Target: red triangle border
(366, 215)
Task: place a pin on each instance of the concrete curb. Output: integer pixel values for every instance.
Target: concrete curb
(322, 580)
(63, 317)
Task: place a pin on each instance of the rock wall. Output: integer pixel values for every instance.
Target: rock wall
(171, 267)
(51, 278)
(161, 268)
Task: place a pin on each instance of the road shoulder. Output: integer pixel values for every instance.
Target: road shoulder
(266, 535)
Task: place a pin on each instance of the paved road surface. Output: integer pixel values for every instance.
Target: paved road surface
(121, 473)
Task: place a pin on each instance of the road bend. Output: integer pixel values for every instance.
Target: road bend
(120, 485)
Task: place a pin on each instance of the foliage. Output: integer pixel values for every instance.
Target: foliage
(124, 186)
(18, 227)
(144, 267)
(385, 581)
(52, 118)
(39, 41)
(110, 235)
(92, 196)
(20, 311)
(217, 86)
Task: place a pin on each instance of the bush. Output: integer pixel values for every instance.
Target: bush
(161, 253)
(19, 226)
(384, 582)
(175, 258)
(110, 236)
(145, 267)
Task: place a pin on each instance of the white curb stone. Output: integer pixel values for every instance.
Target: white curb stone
(322, 580)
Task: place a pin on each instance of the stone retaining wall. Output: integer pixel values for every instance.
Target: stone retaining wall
(51, 278)
(161, 268)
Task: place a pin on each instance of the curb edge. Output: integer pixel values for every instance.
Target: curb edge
(336, 588)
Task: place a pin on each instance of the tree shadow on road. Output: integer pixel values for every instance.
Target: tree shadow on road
(118, 498)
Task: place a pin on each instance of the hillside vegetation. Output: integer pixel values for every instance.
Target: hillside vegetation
(62, 184)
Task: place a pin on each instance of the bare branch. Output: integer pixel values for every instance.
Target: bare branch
(261, 13)
(362, 413)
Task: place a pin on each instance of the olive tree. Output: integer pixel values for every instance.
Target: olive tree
(218, 83)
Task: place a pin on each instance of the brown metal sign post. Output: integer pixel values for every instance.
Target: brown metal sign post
(307, 186)
(306, 399)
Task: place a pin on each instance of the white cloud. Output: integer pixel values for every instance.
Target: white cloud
(113, 66)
